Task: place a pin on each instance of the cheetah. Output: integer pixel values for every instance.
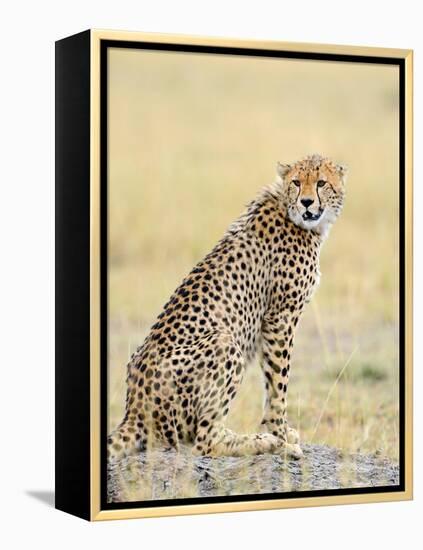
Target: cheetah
(244, 298)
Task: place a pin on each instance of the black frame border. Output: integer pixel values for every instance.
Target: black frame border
(245, 52)
(72, 274)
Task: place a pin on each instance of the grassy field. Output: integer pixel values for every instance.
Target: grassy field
(192, 139)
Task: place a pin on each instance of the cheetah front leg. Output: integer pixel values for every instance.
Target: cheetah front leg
(220, 385)
(277, 344)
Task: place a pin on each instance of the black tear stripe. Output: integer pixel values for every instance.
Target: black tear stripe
(318, 195)
(299, 191)
(333, 189)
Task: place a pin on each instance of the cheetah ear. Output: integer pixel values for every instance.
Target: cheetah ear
(282, 169)
(342, 170)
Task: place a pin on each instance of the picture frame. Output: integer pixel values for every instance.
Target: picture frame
(83, 84)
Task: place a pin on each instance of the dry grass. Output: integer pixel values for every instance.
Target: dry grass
(192, 140)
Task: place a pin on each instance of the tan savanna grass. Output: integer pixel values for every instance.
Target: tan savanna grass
(192, 139)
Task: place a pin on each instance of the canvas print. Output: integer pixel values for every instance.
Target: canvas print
(253, 291)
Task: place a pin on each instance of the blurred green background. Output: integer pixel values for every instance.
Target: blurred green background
(192, 139)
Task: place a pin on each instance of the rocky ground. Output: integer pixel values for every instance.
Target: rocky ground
(167, 474)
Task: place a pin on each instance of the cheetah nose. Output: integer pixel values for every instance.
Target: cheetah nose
(307, 202)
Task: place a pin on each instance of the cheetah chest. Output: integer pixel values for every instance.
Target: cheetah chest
(313, 285)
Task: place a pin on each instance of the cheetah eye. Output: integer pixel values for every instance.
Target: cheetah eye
(321, 183)
(296, 183)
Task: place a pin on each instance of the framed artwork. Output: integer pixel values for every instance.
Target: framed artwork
(233, 275)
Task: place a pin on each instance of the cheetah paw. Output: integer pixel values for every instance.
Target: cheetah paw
(292, 450)
(266, 443)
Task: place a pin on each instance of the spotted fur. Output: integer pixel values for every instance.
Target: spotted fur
(245, 297)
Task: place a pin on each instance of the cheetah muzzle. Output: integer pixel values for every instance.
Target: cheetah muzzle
(245, 297)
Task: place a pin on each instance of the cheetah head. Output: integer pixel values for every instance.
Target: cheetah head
(313, 191)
